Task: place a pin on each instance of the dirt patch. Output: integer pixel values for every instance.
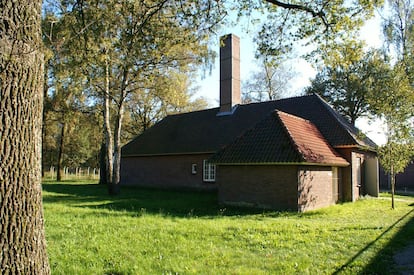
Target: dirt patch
(405, 260)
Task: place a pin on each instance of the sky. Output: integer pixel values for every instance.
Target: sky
(209, 82)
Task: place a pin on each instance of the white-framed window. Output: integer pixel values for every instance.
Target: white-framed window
(209, 172)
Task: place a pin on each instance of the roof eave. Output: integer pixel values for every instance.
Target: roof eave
(356, 146)
(167, 154)
(281, 163)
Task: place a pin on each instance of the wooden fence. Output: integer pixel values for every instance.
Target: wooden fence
(73, 173)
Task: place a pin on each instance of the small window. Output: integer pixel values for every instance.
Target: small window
(193, 168)
(209, 172)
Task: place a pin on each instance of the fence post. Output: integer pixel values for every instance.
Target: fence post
(52, 172)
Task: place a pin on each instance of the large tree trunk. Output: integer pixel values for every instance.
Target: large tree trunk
(22, 242)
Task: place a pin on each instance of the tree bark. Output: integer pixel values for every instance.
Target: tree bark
(114, 188)
(108, 131)
(22, 241)
(102, 164)
(392, 187)
(60, 153)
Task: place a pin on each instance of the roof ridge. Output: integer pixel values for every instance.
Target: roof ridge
(191, 112)
(288, 132)
(275, 100)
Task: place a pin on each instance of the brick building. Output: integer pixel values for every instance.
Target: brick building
(294, 153)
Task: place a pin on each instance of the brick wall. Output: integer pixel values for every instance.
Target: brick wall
(368, 182)
(277, 187)
(263, 186)
(165, 171)
(317, 187)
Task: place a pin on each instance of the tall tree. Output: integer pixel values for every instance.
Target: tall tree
(393, 101)
(22, 239)
(270, 82)
(347, 79)
(121, 44)
(70, 125)
(398, 28)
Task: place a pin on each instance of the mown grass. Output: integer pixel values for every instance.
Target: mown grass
(146, 231)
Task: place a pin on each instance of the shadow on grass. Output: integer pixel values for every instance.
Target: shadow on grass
(383, 262)
(136, 201)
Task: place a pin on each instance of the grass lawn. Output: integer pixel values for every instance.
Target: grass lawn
(146, 231)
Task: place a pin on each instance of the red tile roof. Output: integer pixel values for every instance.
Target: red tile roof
(280, 138)
(309, 142)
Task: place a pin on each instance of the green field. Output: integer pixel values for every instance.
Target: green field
(146, 231)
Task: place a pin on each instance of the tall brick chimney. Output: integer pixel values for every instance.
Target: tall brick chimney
(229, 74)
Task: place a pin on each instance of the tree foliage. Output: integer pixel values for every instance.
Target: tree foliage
(395, 98)
(395, 156)
(270, 82)
(319, 24)
(124, 48)
(348, 80)
(398, 29)
(394, 103)
(71, 132)
(327, 30)
(162, 96)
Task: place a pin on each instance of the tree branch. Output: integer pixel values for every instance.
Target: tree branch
(320, 14)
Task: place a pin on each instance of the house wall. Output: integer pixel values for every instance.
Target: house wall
(361, 177)
(173, 171)
(278, 187)
(372, 175)
(265, 186)
(318, 187)
(357, 161)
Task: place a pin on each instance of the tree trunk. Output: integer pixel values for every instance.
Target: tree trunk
(108, 132)
(22, 241)
(392, 186)
(102, 164)
(114, 190)
(43, 128)
(60, 153)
